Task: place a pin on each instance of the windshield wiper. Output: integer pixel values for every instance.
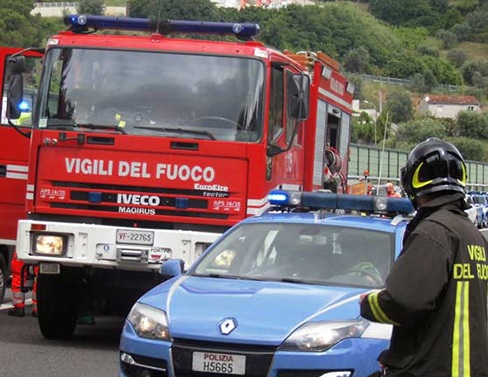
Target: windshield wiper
(102, 127)
(178, 131)
(226, 276)
(69, 124)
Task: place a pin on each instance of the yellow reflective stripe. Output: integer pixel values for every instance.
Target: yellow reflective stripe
(466, 345)
(415, 179)
(461, 364)
(377, 311)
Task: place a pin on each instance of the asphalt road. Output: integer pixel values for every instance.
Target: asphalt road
(93, 351)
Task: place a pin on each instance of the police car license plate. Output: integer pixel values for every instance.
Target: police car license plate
(222, 363)
(138, 237)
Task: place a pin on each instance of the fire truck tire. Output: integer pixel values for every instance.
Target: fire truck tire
(57, 305)
(3, 277)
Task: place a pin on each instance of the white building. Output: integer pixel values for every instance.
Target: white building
(446, 106)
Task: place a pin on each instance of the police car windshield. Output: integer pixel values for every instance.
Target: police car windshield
(301, 253)
(144, 92)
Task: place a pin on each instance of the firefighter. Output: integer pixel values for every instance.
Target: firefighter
(18, 297)
(436, 294)
(390, 191)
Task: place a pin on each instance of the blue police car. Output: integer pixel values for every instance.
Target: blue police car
(277, 295)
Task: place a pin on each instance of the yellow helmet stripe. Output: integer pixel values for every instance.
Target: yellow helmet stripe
(415, 179)
(465, 175)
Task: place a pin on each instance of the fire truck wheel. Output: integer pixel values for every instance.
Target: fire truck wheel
(3, 277)
(57, 304)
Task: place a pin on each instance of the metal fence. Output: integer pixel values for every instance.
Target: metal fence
(406, 82)
(384, 165)
(63, 4)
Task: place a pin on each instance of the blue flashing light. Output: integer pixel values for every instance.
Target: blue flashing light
(95, 197)
(24, 106)
(331, 201)
(81, 23)
(285, 198)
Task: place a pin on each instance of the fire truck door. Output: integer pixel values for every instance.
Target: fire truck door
(13, 145)
(285, 166)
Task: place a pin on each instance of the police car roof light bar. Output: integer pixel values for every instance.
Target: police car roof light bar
(331, 201)
(82, 23)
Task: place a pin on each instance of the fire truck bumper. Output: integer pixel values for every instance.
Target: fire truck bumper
(107, 246)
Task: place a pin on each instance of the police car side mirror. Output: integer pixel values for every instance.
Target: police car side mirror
(172, 268)
(15, 87)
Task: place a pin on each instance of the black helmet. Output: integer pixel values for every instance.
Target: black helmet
(433, 166)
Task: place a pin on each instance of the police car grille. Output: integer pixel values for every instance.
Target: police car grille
(258, 358)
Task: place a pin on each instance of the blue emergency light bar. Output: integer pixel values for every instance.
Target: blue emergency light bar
(82, 23)
(331, 201)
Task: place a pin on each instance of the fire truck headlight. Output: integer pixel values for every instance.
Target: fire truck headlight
(149, 322)
(50, 244)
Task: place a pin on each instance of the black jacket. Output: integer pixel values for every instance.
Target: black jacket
(436, 297)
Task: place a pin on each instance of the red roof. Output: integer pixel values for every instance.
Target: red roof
(451, 100)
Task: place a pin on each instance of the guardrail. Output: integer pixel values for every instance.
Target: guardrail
(384, 165)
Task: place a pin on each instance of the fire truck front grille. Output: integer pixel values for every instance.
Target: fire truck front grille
(161, 212)
(132, 255)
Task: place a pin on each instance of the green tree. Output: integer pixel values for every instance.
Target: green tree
(456, 57)
(401, 107)
(363, 128)
(469, 69)
(174, 9)
(95, 7)
(448, 38)
(410, 13)
(470, 149)
(17, 26)
(357, 60)
(417, 130)
(472, 125)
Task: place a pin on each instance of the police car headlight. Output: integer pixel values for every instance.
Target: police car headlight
(149, 322)
(320, 336)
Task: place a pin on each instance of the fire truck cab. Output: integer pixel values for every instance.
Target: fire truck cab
(148, 147)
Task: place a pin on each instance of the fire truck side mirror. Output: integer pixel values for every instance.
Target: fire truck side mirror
(298, 96)
(15, 87)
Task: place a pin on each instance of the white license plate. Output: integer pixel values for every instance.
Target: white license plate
(49, 268)
(136, 237)
(223, 363)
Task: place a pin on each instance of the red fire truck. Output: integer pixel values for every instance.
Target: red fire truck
(149, 146)
(14, 150)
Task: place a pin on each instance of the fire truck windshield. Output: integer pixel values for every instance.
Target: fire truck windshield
(153, 93)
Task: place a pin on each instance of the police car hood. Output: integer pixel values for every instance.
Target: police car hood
(264, 311)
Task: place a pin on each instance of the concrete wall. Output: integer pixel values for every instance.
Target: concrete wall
(61, 8)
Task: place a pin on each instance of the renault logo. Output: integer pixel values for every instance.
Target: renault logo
(227, 326)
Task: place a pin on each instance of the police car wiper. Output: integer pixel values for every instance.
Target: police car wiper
(178, 131)
(294, 280)
(227, 276)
